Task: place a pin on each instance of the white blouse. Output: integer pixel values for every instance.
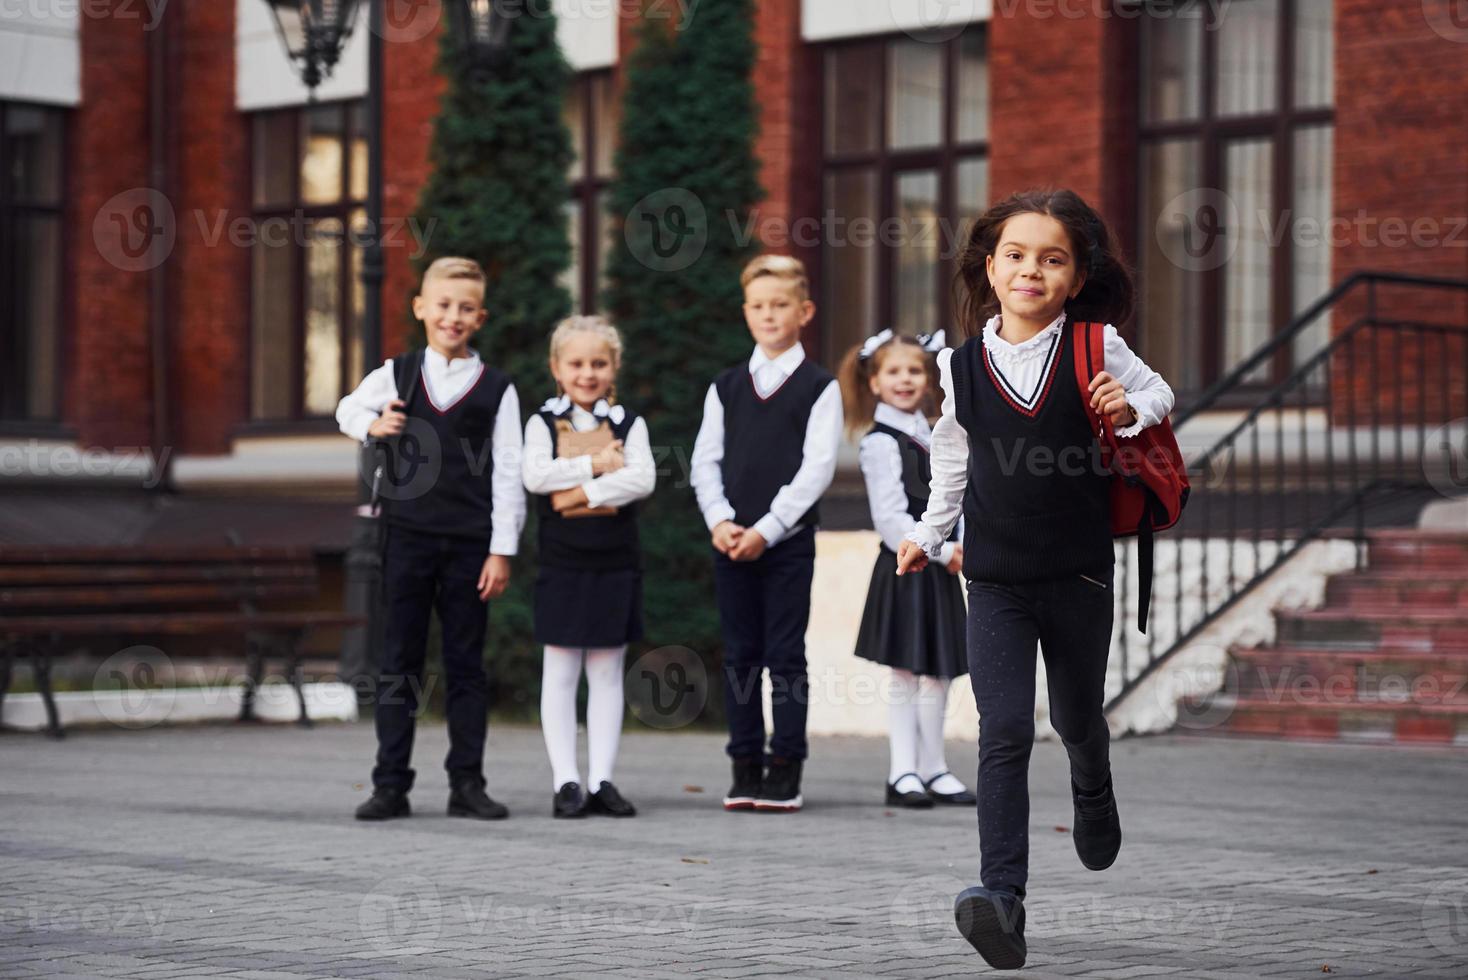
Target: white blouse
(545, 473)
(881, 466)
(1023, 369)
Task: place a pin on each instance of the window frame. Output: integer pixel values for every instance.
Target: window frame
(343, 210)
(1213, 135)
(10, 210)
(588, 186)
(888, 164)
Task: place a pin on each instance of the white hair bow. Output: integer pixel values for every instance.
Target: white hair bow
(872, 343)
(933, 342)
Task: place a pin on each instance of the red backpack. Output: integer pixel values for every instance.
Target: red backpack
(1149, 481)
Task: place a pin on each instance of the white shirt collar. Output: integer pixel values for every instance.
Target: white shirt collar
(914, 424)
(601, 410)
(786, 362)
(441, 363)
(1009, 354)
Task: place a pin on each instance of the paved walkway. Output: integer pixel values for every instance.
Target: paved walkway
(229, 851)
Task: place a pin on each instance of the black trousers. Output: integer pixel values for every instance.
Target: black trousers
(1070, 618)
(764, 607)
(421, 573)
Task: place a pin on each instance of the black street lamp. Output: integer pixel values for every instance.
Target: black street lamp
(483, 27)
(314, 33)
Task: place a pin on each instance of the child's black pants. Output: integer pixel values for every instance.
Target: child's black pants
(1070, 618)
(421, 573)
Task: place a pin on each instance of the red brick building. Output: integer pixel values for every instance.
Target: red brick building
(174, 276)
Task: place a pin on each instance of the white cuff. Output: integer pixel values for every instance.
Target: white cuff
(504, 543)
(769, 528)
(589, 488)
(1134, 428)
(718, 514)
(945, 553)
(928, 539)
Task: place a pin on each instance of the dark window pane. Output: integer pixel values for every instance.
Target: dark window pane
(914, 94)
(272, 330)
(323, 360)
(1311, 232)
(973, 87)
(31, 371)
(321, 155)
(1171, 305)
(357, 116)
(33, 139)
(607, 231)
(355, 367)
(915, 283)
(849, 260)
(1314, 54)
(1247, 323)
(274, 163)
(1248, 58)
(1172, 67)
(853, 98)
(608, 109)
(973, 197)
(571, 276)
(573, 112)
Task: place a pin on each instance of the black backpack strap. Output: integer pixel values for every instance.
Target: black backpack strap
(406, 371)
(1152, 515)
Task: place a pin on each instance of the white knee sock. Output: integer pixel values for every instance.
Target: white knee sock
(604, 705)
(559, 678)
(932, 705)
(902, 729)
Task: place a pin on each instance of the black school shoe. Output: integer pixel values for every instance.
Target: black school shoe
(1097, 827)
(607, 802)
(748, 784)
(964, 797)
(467, 799)
(782, 787)
(994, 924)
(569, 803)
(385, 804)
(914, 799)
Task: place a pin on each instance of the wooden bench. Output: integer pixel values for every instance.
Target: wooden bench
(52, 600)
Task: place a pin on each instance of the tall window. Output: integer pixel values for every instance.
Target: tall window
(592, 114)
(306, 300)
(1235, 182)
(32, 176)
(906, 170)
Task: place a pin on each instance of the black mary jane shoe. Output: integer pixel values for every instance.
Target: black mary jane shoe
(964, 797)
(569, 802)
(468, 799)
(994, 924)
(607, 802)
(912, 799)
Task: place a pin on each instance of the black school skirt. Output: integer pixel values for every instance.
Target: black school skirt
(581, 608)
(915, 622)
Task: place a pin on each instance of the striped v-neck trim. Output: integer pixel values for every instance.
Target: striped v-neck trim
(462, 394)
(1027, 403)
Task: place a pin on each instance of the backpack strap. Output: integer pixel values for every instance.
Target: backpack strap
(406, 372)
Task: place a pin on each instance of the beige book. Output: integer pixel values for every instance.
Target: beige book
(570, 444)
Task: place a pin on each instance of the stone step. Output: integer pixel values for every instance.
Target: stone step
(1406, 587)
(1377, 627)
(1231, 714)
(1415, 549)
(1303, 675)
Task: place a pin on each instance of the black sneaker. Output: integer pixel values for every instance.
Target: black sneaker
(607, 802)
(748, 784)
(994, 924)
(781, 787)
(468, 799)
(916, 799)
(569, 803)
(1096, 829)
(385, 803)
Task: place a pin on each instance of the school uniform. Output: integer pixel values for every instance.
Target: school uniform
(765, 452)
(588, 590)
(452, 497)
(910, 622)
(1014, 453)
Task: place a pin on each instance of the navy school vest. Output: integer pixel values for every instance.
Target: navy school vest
(1037, 504)
(917, 470)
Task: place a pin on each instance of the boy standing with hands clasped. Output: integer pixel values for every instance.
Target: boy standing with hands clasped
(765, 453)
(453, 523)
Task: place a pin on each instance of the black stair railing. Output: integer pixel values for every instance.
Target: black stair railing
(1361, 431)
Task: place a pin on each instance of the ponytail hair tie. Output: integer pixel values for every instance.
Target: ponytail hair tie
(872, 343)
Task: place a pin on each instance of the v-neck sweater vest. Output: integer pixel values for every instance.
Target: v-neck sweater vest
(1037, 502)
